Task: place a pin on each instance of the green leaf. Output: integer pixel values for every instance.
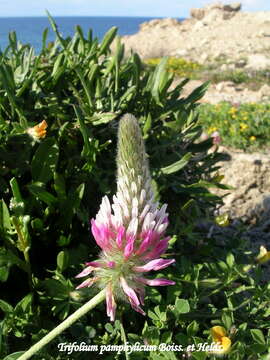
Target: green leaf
(57, 289)
(38, 191)
(198, 93)
(178, 165)
(5, 307)
(200, 355)
(7, 258)
(109, 328)
(24, 305)
(192, 328)
(83, 129)
(107, 40)
(16, 191)
(151, 333)
(227, 319)
(59, 67)
(166, 337)
(60, 186)
(44, 161)
(230, 260)
(147, 125)
(62, 260)
(257, 336)
(259, 348)
(103, 118)
(44, 39)
(4, 272)
(14, 356)
(182, 306)
(159, 77)
(4, 216)
(152, 315)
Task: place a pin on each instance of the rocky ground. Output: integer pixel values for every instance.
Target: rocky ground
(216, 32)
(229, 91)
(221, 37)
(224, 38)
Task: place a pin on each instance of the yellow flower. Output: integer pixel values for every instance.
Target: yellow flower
(220, 337)
(263, 256)
(222, 220)
(211, 129)
(38, 131)
(232, 110)
(252, 138)
(243, 126)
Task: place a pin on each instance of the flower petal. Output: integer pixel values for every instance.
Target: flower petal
(217, 332)
(87, 283)
(156, 264)
(85, 272)
(102, 235)
(110, 302)
(120, 236)
(144, 244)
(129, 246)
(158, 250)
(156, 282)
(95, 264)
(132, 297)
(226, 344)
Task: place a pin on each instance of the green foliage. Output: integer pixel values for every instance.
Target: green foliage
(52, 186)
(178, 66)
(252, 79)
(243, 127)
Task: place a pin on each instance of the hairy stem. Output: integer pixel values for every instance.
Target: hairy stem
(64, 325)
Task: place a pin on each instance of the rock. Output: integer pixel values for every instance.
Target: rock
(214, 11)
(213, 6)
(251, 195)
(203, 58)
(181, 52)
(241, 63)
(224, 67)
(198, 25)
(258, 62)
(213, 16)
(265, 91)
(161, 23)
(220, 86)
(213, 30)
(231, 67)
(232, 7)
(197, 13)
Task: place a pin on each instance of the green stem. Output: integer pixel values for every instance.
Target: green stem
(64, 325)
(124, 338)
(24, 247)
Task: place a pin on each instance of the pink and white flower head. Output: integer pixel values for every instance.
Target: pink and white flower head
(216, 138)
(131, 230)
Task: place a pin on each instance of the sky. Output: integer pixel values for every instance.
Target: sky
(151, 8)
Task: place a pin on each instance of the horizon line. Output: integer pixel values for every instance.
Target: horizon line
(109, 16)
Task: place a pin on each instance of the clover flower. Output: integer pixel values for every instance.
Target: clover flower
(216, 138)
(131, 230)
(39, 131)
(220, 337)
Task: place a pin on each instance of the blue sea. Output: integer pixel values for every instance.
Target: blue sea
(30, 29)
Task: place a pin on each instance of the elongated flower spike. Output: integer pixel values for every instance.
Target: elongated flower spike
(131, 230)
